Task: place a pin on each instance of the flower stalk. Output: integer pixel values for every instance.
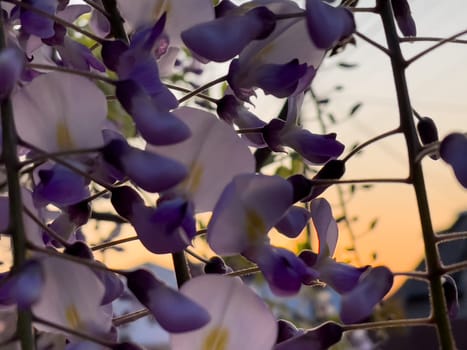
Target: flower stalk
(434, 268)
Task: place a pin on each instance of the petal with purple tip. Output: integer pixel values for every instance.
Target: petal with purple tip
(174, 311)
(452, 150)
(325, 226)
(326, 24)
(227, 300)
(360, 301)
(293, 222)
(225, 37)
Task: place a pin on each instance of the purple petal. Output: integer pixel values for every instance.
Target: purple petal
(341, 277)
(126, 200)
(167, 229)
(174, 311)
(225, 37)
(24, 287)
(325, 226)
(283, 270)
(404, 18)
(319, 338)
(286, 330)
(326, 24)
(359, 303)
(301, 186)
(332, 170)
(452, 150)
(315, 148)
(293, 222)
(148, 170)
(11, 66)
(76, 55)
(36, 24)
(60, 186)
(157, 126)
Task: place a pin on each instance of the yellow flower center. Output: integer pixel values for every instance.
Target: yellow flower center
(216, 339)
(72, 316)
(63, 136)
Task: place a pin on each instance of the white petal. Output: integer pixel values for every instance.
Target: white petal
(239, 318)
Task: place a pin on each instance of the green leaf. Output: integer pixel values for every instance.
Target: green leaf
(354, 109)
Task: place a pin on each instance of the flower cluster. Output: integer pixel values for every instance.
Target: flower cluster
(67, 149)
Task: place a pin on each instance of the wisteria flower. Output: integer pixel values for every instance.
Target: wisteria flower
(452, 150)
(49, 115)
(239, 318)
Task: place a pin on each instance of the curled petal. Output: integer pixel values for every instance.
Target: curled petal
(224, 37)
(341, 277)
(319, 338)
(167, 229)
(150, 171)
(326, 24)
(452, 150)
(174, 311)
(283, 270)
(60, 186)
(332, 170)
(360, 301)
(325, 226)
(156, 125)
(293, 222)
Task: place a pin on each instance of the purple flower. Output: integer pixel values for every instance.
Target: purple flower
(239, 318)
(360, 301)
(452, 150)
(225, 37)
(150, 171)
(11, 66)
(174, 311)
(314, 148)
(326, 24)
(293, 221)
(36, 24)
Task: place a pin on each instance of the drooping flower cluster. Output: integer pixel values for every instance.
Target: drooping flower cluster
(72, 149)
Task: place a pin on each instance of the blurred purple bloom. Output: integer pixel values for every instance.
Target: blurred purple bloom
(36, 24)
(174, 311)
(326, 24)
(225, 37)
(453, 150)
(11, 66)
(24, 286)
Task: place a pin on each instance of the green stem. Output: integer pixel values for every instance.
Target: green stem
(16, 225)
(434, 268)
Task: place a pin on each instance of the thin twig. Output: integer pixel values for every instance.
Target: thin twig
(196, 255)
(133, 316)
(46, 228)
(451, 236)
(425, 321)
(412, 39)
(373, 43)
(202, 88)
(114, 243)
(243, 272)
(431, 48)
(72, 71)
(369, 142)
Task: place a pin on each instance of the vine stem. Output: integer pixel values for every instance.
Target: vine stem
(82, 73)
(431, 48)
(430, 38)
(373, 43)
(389, 323)
(433, 263)
(16, 225)
(202, 88)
